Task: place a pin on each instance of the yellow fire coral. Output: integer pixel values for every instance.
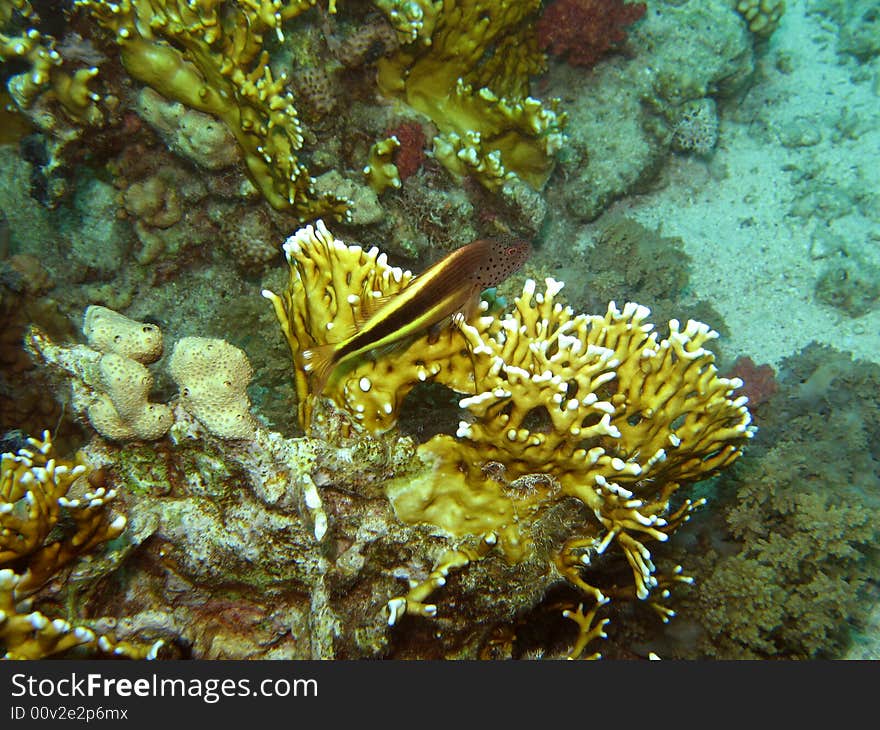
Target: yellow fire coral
(560, 409)
(466, 65)
(36, 492)
(209, 56)
(321, 304)
(46, 71)
(381, 172)
(616, 418)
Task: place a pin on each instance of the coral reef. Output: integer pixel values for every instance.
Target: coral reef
(466, 66)
(51, 82)
(33, 479)
(316, 89)
(801, 527)
(561, 409)
(381, 172)
(35, 490)
(210, 56)
(368, 43)
(346, 514)
(22, 386)
(431, 219)
(625, 112)
(583, 31)
(523, 482)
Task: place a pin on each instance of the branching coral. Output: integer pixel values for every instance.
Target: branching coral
(805, 528)
(209, 56)
(466, 66)
(585, 30)
(36, 490)
(47, 72)
(381, 172)
(618, 418)
(559, 407)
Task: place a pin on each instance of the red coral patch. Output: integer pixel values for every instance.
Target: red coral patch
(411, 153)
(585, 30)
(759, 381)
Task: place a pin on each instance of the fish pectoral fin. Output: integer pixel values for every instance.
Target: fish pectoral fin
(470, 309)
(318, 362)
(370, 304)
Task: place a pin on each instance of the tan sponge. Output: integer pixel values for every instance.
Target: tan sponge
(213, 377)
(109, 331)
(120, 409)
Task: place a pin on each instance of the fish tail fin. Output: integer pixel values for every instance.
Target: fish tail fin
(318, 362)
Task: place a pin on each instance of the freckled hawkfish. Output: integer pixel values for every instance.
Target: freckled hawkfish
(450, 286)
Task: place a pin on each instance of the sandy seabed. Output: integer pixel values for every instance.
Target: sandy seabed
(752, 257)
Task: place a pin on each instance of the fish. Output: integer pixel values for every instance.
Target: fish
(449, 287)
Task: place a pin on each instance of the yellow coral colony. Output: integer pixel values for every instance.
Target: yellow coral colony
(35, 489)
(47, 71)
(209, 56)
(558, 406)
(321, 305)
(466, 64)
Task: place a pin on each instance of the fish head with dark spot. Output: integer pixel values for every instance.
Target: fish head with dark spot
(503, 258)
